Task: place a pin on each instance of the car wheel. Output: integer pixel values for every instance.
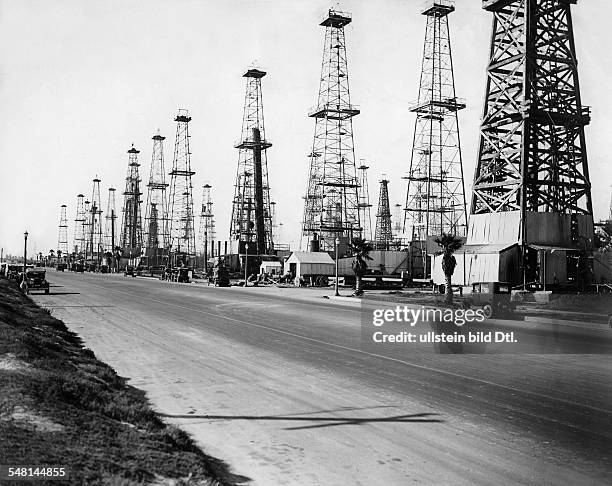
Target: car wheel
(488, 310)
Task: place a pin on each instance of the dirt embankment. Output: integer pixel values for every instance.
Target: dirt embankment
(59, 405)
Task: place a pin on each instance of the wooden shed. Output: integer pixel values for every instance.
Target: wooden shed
(306, 264)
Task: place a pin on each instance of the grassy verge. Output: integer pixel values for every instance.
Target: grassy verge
(60, 405)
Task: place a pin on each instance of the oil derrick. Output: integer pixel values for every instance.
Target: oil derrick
(251, 217)
(86, 229)
(331, 207)
(110, 231)
(365, 215)
(79, 221)
(275, 234)
(95, 243)
(383, 237)
(532, 174)
(62, 238)
(435, 199)
(131, 228)
(207, 221)
(156, 237)
(397, 220)
(181, 225)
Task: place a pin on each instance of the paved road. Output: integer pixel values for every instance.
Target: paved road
(280, 389)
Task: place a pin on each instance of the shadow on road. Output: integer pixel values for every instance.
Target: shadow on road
(325, 421)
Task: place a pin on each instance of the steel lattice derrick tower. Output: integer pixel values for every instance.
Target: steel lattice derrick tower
(397, 220)
(251, 216)
(110, 230)
(435, 199)
(182, 225)
(86, 228)
(79, 221)
(156, 228)
(62, 238)
(275, 234)
(207, 220)
(365, 215)
(95, 243)
(532, 155)
(331, 207)
(383, 237)
(131, 227)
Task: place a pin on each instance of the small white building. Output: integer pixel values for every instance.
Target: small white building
(271, 268)
(306, 264)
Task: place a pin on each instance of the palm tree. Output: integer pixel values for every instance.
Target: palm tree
(361, 251)
(450, 244)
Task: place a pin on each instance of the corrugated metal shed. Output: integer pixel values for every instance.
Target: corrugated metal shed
(480, 263)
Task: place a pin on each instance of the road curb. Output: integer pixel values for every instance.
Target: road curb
(341, 298)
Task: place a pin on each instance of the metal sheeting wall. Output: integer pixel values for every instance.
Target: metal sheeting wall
(494, 228)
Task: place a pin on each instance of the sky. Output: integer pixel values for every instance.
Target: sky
(81, 81)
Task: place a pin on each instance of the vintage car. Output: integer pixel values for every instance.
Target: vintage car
(129, 270)
(494, 298)
(78, 267)
(35, 280)
(14, 271)
(60, 267)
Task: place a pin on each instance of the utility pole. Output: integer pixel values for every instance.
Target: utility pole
(246, 263)
(24, 282)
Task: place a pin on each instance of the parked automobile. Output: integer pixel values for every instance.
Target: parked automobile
(78, 267)
(493, 297)
(14, 271)
(221, 275)
(156, 270)
(61, 267)
(36, 280)
(129, 271)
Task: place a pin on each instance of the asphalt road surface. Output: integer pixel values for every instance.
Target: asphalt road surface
(277, 385)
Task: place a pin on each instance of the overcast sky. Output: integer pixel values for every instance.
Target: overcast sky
(80, 81)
